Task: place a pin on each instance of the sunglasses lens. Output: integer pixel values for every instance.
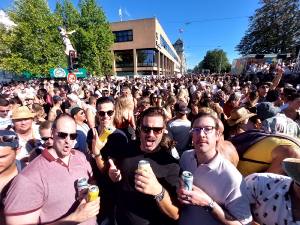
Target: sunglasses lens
(45, 138)
(73, 136)
(156, 130)
(109, 113)
(8, 138)
(62, 135)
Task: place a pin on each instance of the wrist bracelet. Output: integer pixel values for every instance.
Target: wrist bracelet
(160, 196)
(96, 156)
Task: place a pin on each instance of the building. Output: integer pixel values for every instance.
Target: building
(178, 45)
(142, 48)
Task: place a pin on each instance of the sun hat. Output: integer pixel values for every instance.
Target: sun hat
(238, 115)
(291, 167)
(22, 112)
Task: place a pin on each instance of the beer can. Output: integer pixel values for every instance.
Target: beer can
(93, 193)
(144, 165)
(187, 178)
(106, 132)
(82, 187)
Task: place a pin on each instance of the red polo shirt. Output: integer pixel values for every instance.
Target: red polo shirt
(48, 184)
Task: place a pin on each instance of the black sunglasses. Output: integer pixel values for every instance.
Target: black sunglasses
(45, 138)
(64, 135)
(109, 113)
(156, 130)
(8, 138)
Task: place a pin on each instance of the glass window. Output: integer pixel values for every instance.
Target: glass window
(124, 58)
(123, 35)
(146, 57)
(168, 48)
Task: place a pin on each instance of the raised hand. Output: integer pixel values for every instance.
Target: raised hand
(113, 172)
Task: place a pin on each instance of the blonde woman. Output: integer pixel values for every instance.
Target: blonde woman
(169, 107)
(124, 116)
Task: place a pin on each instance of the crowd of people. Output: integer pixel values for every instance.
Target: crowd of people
(237, 137)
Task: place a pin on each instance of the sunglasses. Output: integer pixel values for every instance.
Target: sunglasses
(103, 113)
(156, 130)
(8, 138)
(64, 135)
(206, 130)
(4, 111)
(46, 138)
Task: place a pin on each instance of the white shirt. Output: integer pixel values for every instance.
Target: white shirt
(222, 182)
(269, 195)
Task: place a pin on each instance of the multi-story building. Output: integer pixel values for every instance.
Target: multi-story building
(142, 48)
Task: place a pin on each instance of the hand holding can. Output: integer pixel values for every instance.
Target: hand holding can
(187, 178)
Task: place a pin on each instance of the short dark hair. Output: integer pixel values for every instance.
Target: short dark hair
(4, 102)
(63, 115)
(45, 125)
(152, 111)
(205, 114)
(103, 100)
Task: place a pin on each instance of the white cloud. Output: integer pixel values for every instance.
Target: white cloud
(5, 20)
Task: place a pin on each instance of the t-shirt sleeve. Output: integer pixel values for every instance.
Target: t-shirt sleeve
(238, 204)
(24, 196)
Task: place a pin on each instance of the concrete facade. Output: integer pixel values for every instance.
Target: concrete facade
(147, 50)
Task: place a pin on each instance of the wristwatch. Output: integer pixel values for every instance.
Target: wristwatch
(96, 156)
(210, 207)
(160, 196)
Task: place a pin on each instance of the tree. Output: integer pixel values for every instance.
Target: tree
(215, 61)
(33, 45)
(94, 39)
(274, 28)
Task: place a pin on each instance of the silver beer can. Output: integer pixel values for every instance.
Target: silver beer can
(187, 178)
(82, 187)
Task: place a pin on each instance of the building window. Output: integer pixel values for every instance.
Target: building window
(124, 58)
(123, 35)
(165, 45)
(146, 57)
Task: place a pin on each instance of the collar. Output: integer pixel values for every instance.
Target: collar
(46, 154)
(213, 163)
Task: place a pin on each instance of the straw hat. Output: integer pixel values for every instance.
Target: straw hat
(292, 168)
(238, 115)
(22, 112)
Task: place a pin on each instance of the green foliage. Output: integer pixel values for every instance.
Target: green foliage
(33, 45)
(274, 28)
(215, 61)
(94, 39)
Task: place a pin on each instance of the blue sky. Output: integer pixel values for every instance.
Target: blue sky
(206, 24)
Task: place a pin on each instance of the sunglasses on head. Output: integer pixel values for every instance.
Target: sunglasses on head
(156, 130)
(103, 113)
(8, 138)
(64, 135)
(46, 138)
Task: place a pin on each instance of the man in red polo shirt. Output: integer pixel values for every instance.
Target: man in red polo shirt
(45, 191)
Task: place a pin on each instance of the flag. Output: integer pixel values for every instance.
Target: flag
(120, 12)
